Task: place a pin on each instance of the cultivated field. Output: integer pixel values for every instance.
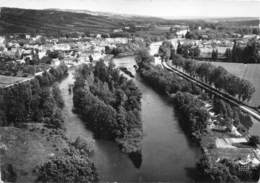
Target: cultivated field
(250, 72)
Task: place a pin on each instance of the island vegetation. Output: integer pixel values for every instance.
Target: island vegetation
(109, 104)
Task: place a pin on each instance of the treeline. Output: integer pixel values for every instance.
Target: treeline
(192, 110)
(160, 79)
(217, 76)
(244, 54)
(166, 50)
(206, 72)
(37, 100)
(109, 104)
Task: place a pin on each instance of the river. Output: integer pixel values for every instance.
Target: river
(167, 155)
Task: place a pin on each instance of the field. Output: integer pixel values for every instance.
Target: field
(250, 72)
(25, 149)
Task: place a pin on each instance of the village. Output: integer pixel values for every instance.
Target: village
(23, 57)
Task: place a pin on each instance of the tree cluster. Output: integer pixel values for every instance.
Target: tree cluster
(218, 172)
(247, 54)
(193, 111)
(232, 115)
(166, 50)
(217, 76)
(108, 102)
(227, 170)
(38, 100)
(130, 47)
(188, 50)
(72, 168)
(161, 79)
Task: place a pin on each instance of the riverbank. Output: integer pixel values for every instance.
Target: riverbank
(221, 139)
(33, 143)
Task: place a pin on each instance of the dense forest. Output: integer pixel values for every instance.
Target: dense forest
(109, 104)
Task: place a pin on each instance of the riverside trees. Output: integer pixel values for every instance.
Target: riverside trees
(188, 50)
(195, 115)
(160, 79)
(109, 104)
(217, 76)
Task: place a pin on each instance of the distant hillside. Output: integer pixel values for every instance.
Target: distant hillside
(53, 21)
(13, 20)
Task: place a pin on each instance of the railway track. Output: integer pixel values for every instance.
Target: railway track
(244, 107)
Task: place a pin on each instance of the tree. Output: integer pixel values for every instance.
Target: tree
(254, 141)
(250, 52)
(143, 58)
(165, 50)
(214, 54)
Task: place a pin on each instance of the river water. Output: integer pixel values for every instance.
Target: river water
(167, 155)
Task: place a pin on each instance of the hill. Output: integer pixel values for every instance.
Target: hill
(13, 20)
(56, 21)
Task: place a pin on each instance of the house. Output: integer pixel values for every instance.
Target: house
(62, 47)
(2, 40)
(27, 36)
(117, 30)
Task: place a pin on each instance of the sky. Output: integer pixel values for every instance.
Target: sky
(158, 8)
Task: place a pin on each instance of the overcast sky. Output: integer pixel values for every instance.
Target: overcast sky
(161, 8)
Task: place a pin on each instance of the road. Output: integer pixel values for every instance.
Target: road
(244, 107)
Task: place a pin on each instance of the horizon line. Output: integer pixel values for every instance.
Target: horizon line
(132, 15)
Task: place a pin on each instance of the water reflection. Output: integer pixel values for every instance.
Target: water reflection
(166, 156)
(136, 158)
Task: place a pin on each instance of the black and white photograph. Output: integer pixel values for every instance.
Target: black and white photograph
(129, 91)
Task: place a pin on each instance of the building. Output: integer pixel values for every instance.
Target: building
(117, 30)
